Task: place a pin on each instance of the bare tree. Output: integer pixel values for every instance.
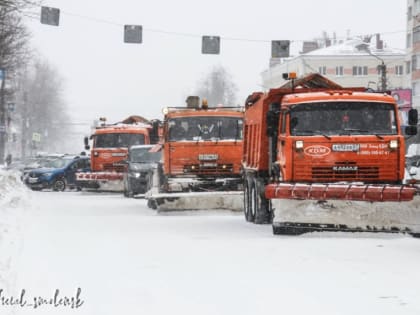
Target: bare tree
(44, 112)
(13, 54)
(218, 87)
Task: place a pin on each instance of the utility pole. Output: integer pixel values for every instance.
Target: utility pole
(381, 67)
(24, 126)
(2, 116)
(382, 70)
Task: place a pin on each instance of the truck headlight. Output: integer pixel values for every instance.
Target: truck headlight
(393, 144)
(299, 145)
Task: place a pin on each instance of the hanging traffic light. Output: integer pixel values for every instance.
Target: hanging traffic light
(210, 45)
(280, 48)
(50, 16)
(133, 34)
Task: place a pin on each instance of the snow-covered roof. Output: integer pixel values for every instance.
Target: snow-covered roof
(354, 47)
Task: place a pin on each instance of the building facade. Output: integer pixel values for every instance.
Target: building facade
(354, 62)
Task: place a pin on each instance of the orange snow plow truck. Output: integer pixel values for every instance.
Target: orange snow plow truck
(320, 157)
(202, 152)
(110, 144)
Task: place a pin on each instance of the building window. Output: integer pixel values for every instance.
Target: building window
(409, 41)
(414, 62)
(409, 13)
(408, 67)
(416, 34)
(416, 88)
(322, 70)
(359, 70)
(399, 70)
(416, 6)
(339, 71)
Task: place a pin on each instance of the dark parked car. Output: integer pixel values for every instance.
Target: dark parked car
(141, 164)
(57, 174)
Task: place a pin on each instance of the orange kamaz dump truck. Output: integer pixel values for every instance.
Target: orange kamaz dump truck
(110, 144)
(202, 152)
(318, 156)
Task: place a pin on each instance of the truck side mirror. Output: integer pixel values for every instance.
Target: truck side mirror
(273, 119)
(411, 130)
(413, 117)
(86, 140)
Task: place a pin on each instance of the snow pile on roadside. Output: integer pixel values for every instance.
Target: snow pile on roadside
(14, 198)
(12, 191)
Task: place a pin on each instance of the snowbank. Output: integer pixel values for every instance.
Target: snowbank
(14, 198)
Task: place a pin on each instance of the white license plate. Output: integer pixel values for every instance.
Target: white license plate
(33, 180)
(348, 147)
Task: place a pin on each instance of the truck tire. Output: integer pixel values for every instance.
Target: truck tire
(262, 205)
(253, 202)
(247, 200)
(59, 184)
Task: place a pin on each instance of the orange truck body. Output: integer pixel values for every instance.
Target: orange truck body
(110, 144)
(321, 162)
(203, 159)
(207, 159)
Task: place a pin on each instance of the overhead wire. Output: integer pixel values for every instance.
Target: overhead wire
(183, 34)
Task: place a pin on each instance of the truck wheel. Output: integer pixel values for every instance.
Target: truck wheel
(253, 202)
(59, 184)
(262, 205)
(247, 199)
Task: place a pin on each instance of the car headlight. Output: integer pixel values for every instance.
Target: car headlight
(134, 174)
(393, 144)
(299, 145)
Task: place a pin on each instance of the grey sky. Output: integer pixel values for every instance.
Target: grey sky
(105, 77)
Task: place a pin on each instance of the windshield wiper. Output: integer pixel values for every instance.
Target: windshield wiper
(304, 133)
(356, 130)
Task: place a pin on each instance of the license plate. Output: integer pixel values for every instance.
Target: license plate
(346, 147)
(345, 168)
(33, 180)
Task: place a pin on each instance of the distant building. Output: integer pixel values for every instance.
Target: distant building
(413, 49)
(353, 62)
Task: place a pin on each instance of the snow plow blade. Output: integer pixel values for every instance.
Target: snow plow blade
(227, 200)
(100, 181)
(340, 192)
(301, 208)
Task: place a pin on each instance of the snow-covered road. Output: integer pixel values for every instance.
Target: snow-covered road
(127, 259)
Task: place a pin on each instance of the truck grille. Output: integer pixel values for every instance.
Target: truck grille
(113, 168)
(208, 168)
(348, 171)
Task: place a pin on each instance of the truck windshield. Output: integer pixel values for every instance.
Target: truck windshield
(143, 155)
(118, 140)
(343, 118)
(205, 128)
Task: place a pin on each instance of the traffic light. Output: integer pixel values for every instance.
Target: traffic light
(280, 48)
(133, 34)
(50, 16)
(210, 45)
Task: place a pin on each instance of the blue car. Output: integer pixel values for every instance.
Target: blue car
(58, 174)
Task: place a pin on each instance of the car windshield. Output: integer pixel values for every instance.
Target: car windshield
(57, 163)
(143, 155)
(342, 118)
(205, 128)
(118, 140)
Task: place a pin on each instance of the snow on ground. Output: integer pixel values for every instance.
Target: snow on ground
(13, 201)
(127, 259)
